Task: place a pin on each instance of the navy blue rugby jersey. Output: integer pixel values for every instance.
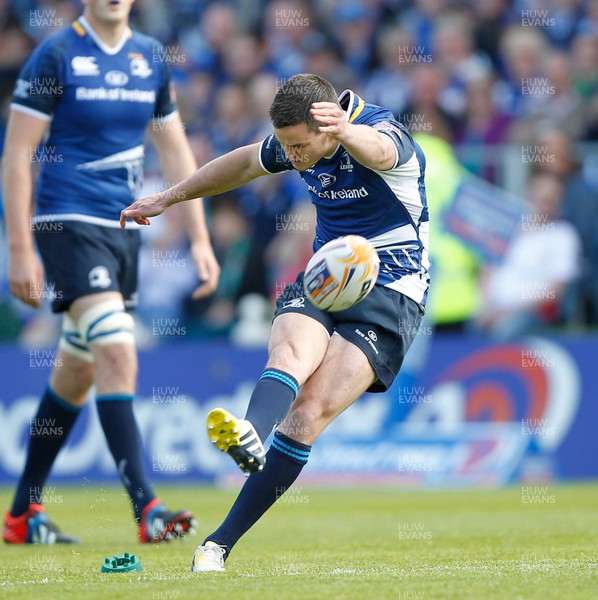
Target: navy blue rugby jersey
(387, 207)
(99, 102)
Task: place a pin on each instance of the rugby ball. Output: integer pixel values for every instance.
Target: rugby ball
(341, 273)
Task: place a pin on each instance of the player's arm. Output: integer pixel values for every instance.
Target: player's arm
(228, 172)
(177, 162)
(25, 272)
(367, 146)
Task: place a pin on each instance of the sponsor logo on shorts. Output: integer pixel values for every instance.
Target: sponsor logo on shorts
(132, 300)
(369, 338)
(294, 303)
(99, 277)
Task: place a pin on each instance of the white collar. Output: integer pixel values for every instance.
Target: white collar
(329, 156)
(342, 97)
(101, 45)
(347, 116)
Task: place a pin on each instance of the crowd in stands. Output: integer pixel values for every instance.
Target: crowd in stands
(477, 75)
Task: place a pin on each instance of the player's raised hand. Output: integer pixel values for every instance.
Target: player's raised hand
(140, 210)
(331, 116)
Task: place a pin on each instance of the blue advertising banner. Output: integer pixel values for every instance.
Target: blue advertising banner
(483, 414)
(177, 386)
(484, 216)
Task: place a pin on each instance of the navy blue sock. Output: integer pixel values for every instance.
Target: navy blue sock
(284, 462)
(48, 431)
(120, 428)
(270, 401)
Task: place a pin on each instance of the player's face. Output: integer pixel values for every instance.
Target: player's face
(303, 146)
(109, 11)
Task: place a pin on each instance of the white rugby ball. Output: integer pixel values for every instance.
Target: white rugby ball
(341, 273)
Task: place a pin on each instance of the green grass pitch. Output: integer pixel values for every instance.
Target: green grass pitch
(516, 543)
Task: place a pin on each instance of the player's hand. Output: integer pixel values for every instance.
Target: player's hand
(26, 277)
(140, 210)
(207, 267)
(331, 116)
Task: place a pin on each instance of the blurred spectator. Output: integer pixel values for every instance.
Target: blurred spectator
(585, 80)
(580, 208)
(205, 41)
(389, 84)
(196, 104)
(265, 200)
(588, 25)
(292, 247)
(324, 60)
(585, 66)
(233, 125)
(528, 287)
(201, 146)
(151, 17)
(483, 126)
(243, 58)
(563, 106)
(491, 18)
(243, 272)
(260, 94)
(421, 20)
(425, 112)
(521, 51)
(561, 20)
(355, 23)
(290, 31)
(481, 75)
(455, 54)
(15, 47)
(454, 297)
(166, 273)
(44, 17)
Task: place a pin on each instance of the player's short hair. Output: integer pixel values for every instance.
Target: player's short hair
(293, 100)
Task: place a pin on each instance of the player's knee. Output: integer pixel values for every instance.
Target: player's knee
(72, 379)
(287, 356)
(81, 375)
(106, 323)
(107, 330)
(310, 414)
(298, 423)
(72, 343)
(118, 359)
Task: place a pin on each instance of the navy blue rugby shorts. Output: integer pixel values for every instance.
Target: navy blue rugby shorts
(383, 325)
(84, 258)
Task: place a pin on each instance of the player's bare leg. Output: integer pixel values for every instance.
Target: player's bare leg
(116, 363)
(107, 330)
(72, 378)
(297, 346)
(69, 384)
(342, 377)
